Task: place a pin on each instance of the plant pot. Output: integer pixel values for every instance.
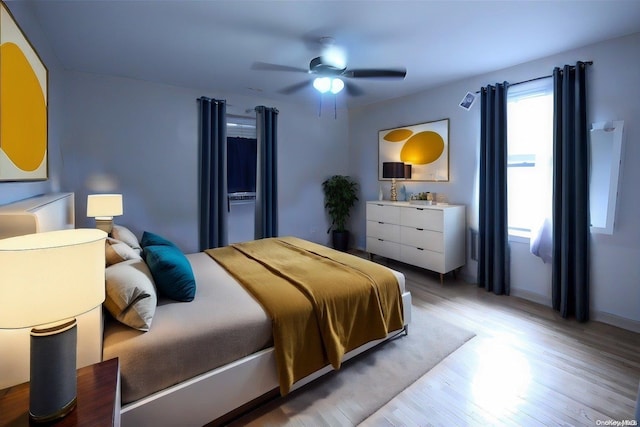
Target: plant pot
(340, 240)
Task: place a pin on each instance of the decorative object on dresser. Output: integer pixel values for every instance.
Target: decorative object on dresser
(424, 146)
(23, 102)
(48, 278)
(103, 207)
(430, 237)
(393, 170)
(340, 194)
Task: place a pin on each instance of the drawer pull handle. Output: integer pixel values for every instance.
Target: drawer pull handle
(380, 222)
(420, 229)
(420, 249)
(382, 240)
(420, 209)
(379, 204)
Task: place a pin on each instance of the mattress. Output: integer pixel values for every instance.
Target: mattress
(222, 324)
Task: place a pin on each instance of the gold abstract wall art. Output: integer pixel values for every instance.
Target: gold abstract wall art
(23, 105)
(424, 146)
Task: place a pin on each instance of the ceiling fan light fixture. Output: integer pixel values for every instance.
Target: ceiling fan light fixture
(326, 84)
(336, 85)
(322, 84)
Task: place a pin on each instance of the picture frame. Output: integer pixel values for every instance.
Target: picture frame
(425, 146)
(23, 105)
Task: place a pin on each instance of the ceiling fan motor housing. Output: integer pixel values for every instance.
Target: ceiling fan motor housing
(316, 66)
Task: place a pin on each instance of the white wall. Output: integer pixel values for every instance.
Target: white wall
(614, 94)
(141, 139)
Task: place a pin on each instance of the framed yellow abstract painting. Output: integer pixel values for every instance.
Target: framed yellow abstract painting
(23, 105)
(424, 146)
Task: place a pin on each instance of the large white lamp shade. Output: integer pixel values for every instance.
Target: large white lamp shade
(48, 277)
(46, 280)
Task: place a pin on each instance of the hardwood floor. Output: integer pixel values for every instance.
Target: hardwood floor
(526, 366)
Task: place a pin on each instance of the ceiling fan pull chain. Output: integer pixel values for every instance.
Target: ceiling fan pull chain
(335, 107)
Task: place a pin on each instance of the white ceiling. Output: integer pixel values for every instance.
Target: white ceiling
(212, 44)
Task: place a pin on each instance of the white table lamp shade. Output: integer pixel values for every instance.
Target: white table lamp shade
(49, 277)
(104, 205)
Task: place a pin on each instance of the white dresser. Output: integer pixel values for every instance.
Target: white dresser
(428, 236)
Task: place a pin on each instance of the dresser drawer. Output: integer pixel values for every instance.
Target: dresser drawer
(383, 230)
(383, 248)
(420, 238)
(383, 213)
(429, 219)
(424, 258)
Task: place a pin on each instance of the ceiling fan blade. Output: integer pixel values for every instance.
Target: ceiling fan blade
(398, 73)
(294, 88)
(352, 89)
(265, 66)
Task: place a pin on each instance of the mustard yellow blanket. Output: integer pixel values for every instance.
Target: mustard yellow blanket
(323, 303)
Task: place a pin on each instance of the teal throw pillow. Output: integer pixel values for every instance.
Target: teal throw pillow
(152, 239)
(171, 272)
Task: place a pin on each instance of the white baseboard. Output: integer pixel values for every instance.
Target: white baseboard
(612, 319)
(531, 296)
(595, 315)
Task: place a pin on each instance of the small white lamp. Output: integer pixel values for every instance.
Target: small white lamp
(47, 279)
(103, 207)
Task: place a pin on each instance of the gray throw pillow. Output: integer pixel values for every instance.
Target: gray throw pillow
(125, 235)
(131, 296)
(117, 251)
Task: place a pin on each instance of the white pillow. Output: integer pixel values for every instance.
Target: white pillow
(125, 235)
(117, 251)
(131, 296)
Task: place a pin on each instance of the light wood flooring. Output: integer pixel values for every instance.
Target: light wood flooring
(526, 366)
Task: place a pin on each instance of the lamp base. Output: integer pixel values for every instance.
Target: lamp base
(53, 387)
(105, 225)
(394, 191)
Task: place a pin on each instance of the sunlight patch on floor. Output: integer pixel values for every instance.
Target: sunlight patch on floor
(502, 379)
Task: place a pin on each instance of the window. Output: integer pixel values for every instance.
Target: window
(241, 156)
(529, 155)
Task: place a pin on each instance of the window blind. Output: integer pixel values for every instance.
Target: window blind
(241, 127)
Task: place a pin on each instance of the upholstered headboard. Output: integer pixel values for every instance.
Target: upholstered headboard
(38, 214)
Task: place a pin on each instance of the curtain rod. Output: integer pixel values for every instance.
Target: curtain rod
(542, 77)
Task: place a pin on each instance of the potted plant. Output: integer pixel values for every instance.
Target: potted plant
(340, 194)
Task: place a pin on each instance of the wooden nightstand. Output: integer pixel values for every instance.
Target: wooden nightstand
(98, 399)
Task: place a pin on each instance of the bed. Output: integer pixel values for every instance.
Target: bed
(201, 360)
(178, 370)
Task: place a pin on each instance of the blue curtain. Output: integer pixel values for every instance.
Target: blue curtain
(493, 247)
(213, 173)
(267, 173)
(570, 268)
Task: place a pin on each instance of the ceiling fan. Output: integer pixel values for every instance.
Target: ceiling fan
(329, 69)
